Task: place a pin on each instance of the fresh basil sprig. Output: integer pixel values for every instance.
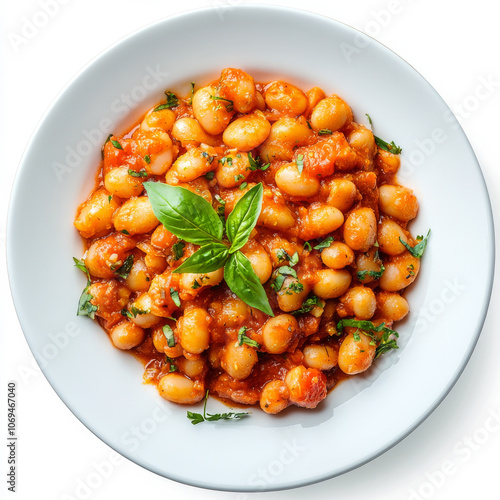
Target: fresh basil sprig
(193, 219)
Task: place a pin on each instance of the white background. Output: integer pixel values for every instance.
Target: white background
(455, 453)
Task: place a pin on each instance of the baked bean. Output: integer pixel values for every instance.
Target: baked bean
(191, 165)
(318, 356)
(233, 170)
(331, 283)
(389, 234)
(279, 332)
(398, 202)
(392, 306)
(126, 335)
(213, 114)
(163, 119)
(239, 88)
(342, 194)
(260, 260)
(179, 389)
(140, 312)
(96, 214)
(320, 221)
(359, 301)
(291, 182)
(356, 356)
(360, 229)
(400, 271)
(337, 256)
(135, 216)
(368, 266)
(193, 329)
(307, 386)
(188, 130)
(238, 360)
(118, 181)
(274, 397)
(284, 99)
(331, 113)
(292, 294)
(247, 132)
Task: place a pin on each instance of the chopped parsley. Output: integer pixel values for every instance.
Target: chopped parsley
(244, 339)
(385, 343)
(309, 304)
(390, 147)
(210, 175)
(124, 270)
(197, 418)
(325, 131)
(116, 144)
(300, 163)
(229, 103)
(324, 244)
(255, 163)
(243, 185)
(178, 249)
(169, 335)
(373, 274)
(85, 307)
(175, 297)
(134, 173)
(172, 101)
(147, 159)
(419, 249)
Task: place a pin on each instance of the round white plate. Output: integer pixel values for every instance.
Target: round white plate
(365, 415)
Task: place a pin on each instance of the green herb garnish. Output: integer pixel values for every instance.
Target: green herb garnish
(116, 144)
(85, 307)
(325, 131)
(197, 418)
(309, 304)
(324, 244)
(172, 101)
(300, 163)
(385, 343)
(193, 219)
(243, 339)
(178, 249)
(374, 274)
(229, 103)
(147, 159)
(419, 249)
(169, 335)
(175, 297)
(134, 173)
(124, 270)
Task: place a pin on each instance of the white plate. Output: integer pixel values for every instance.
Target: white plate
(364, 416)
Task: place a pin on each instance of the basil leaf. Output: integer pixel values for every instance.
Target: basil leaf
(243, 218)
(419, 249)
(185, 214)
(207, 259)
(242, 280)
